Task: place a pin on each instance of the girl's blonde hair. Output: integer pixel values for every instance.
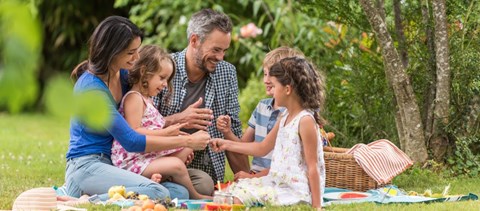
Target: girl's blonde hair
(148, 64)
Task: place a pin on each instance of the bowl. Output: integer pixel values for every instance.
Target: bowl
(238, 207)
(212, 206)
(195, 205)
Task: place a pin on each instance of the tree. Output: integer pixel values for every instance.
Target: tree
(411, 129)
(439, 140)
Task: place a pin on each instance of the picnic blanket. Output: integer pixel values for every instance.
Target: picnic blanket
(381, 196)
(381, 160)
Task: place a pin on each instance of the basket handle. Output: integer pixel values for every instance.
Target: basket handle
(327, 137)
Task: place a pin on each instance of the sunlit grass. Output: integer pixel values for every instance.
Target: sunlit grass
(33, 147)
(32, 154)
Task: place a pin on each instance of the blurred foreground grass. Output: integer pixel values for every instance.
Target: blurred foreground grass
(33, 147)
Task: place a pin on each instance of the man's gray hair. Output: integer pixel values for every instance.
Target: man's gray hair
(205, 21)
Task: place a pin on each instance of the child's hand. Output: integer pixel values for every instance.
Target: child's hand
(218, 144)
(242, 175)
(224, 124)
(156, 178)
(189, 158)
(174, 130)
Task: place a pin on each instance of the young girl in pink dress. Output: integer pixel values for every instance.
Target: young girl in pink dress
(297, 171)
(151, 74)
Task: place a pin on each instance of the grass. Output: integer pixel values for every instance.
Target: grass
(33, 147)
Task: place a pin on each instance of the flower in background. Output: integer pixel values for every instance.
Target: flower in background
(250, 30)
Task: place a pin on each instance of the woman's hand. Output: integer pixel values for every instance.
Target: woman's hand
(224, 123)
(198, 140)
(174, 130)
(218, 144)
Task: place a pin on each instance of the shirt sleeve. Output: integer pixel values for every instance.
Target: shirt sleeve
(233, 107)
(252, 120)
(123, 133)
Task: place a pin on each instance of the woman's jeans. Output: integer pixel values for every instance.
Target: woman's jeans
(95, 174)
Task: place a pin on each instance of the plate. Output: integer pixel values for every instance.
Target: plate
(353, 195)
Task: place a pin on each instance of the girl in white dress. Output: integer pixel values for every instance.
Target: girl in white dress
(297, 173)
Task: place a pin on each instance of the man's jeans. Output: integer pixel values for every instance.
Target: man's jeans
(95, 174)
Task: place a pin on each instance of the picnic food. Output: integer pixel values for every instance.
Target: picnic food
(120, 189)
(352, 195)
(117, 196)
(148, 204)
(142, 197)
(167, 202)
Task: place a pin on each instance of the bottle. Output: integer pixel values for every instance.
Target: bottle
(220, 197)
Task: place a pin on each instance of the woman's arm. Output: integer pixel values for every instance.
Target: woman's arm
(133, 141)
(195, 141)
(308, 136)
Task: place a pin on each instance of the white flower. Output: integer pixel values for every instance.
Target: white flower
(182, 20)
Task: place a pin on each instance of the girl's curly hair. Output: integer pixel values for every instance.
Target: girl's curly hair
(306, 81)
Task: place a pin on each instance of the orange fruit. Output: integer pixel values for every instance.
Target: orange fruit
(134, 208)
(148, 204)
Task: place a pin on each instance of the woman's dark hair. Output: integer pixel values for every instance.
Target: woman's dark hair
(306, 81)
(112, 36)
(148, 64)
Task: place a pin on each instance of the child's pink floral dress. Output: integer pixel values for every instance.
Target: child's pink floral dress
(133, 161)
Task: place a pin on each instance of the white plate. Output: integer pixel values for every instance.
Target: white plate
(335, 196)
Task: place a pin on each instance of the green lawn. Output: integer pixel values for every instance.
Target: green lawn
(33, 146)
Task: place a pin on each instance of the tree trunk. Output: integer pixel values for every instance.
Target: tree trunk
(439, 142)
(399, 32)
(380, 4)
(400, 82)
(428, 104)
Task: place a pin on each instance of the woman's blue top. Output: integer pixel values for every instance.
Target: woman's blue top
(85, 140)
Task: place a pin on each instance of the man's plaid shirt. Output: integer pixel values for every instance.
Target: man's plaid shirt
(221, 95)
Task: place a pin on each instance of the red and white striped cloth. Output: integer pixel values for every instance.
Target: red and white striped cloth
(381, 160)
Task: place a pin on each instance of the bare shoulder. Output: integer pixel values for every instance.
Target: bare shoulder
(133, 100)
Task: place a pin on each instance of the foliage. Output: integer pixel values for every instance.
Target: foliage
(464, 161)
(19, 51)
(464, 125)
(68, 26)
(250, 96)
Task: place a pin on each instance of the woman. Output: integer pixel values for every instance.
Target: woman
(113, 47)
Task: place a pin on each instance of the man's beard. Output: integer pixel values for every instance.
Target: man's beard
(200, 63)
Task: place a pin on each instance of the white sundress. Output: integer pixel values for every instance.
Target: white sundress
(287, 181)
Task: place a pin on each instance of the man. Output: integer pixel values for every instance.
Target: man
(205, 87)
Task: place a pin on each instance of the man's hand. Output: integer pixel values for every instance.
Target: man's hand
(224, 124)
(197, 118)
(242, 175)
(198, 140)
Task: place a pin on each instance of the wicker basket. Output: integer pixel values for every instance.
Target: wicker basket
(342, 171)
